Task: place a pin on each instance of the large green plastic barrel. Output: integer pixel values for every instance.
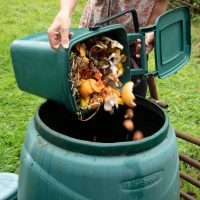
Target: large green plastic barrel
(60, 160)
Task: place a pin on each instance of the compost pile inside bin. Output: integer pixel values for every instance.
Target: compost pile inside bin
(96, 66)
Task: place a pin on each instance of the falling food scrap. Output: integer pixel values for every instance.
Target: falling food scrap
(129, 125)
(127, 94)
(129, 114)
(138, 135)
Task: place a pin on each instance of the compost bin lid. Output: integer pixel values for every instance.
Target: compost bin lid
(8, 186)
(172, 43)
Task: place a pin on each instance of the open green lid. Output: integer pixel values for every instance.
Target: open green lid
(172, 43)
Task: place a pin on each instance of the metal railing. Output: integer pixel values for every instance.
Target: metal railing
(190, 161)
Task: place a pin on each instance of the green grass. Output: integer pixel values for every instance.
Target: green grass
(182, 93)
(17, 19)
(21, 17)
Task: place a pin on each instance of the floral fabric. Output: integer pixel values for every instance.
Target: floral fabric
(97, 10)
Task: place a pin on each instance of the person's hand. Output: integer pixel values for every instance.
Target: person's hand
(58, 32)
(149, 44)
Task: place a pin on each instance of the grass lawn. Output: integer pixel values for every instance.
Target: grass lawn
(19, 18)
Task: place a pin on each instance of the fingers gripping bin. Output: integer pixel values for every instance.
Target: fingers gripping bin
(44, 72)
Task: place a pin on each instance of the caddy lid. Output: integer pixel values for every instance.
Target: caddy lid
(172, 43)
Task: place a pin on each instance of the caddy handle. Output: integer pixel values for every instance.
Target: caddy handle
(134, 15)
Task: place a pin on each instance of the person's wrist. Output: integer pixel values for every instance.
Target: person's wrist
(66, 11)
(150, 23)
(149, 37)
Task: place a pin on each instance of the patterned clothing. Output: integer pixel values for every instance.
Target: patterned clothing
(97, 10)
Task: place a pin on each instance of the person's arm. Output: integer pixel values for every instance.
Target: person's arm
(58, 32)
(159, 8)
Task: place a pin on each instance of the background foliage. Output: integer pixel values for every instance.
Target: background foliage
(193, 4)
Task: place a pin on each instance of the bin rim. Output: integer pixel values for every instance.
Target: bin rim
(100, 148)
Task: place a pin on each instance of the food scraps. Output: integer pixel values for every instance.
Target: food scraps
(96, 66)
(129, 113)
(138, 135)
(129, 125)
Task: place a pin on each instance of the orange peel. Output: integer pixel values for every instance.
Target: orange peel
(85, 89)
(120, 101)
(79, 47)
(127, 94)
(90, 86)
(96, 86)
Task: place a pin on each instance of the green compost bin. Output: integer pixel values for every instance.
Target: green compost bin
(60, 160)
(44, 72)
